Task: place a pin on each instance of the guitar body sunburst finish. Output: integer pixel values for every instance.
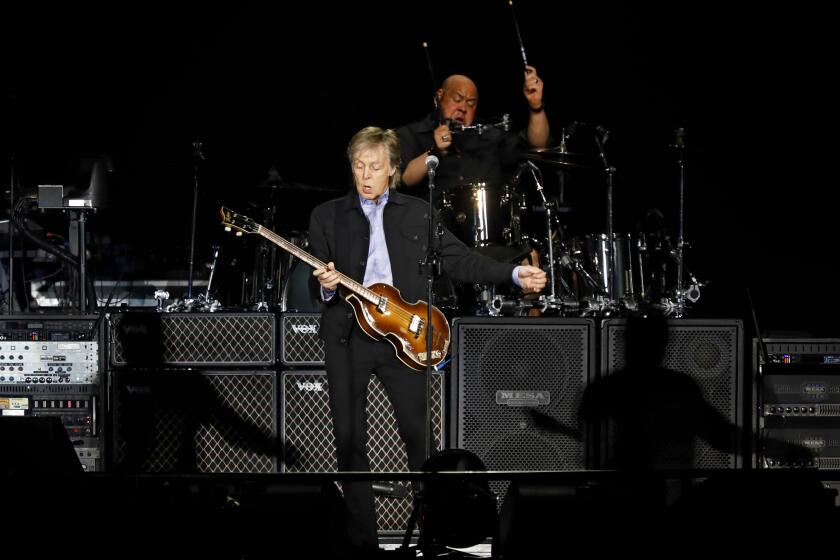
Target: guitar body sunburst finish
(403, 324)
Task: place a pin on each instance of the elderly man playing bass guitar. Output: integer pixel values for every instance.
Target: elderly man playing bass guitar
(374, 237)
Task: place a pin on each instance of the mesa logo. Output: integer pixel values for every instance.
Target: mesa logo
(305, 329)
(310, 386)
(523, 398)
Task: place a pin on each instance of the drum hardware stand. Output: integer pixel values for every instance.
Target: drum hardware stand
(202, 303)
(198, 157)
(679, 144)
(601, 136)
(561, 174)
(216, 251)
(551, 297)
(263, 287)
(161, 296)
(478, 128)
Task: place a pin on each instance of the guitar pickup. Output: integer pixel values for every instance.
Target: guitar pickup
(415, 325)
(382, 305)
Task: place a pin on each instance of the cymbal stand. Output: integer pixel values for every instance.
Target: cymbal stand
(601, 136)
(551, 297)
(198, 157)
(679, 144)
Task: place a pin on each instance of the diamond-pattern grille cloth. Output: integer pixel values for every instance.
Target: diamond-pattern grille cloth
(300, 342)
(197, 339)
(209, 422)
(310, 445)
(706, 352)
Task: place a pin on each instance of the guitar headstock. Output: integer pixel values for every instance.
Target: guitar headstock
(237, 222)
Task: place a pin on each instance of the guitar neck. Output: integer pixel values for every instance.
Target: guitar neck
(343, 279)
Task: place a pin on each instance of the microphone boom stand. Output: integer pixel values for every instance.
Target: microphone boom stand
(432, 264)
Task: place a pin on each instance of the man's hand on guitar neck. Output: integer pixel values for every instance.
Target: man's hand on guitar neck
(328, 278)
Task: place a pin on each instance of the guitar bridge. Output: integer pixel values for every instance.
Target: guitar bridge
(382, 305)
(436, 355)
(415, 325)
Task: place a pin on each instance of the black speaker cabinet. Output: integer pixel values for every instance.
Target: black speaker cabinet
(194, 421)
(149, 340)
(299, 342)
(710, 351)
(506, 368)
(309, 444)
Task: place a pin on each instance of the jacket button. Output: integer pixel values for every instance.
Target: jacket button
(416, 237)
(350, 315)
(362, 263)
(343, 341)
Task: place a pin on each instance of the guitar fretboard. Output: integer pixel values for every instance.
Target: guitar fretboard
(344, 280)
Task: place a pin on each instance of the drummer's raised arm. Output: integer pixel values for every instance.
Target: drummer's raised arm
(538, 131)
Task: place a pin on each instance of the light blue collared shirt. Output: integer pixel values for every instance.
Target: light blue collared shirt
(378, 268)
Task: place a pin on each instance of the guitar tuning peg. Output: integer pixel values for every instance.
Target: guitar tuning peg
(238, 234)
(227, 228)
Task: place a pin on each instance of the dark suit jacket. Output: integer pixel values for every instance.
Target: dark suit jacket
(339, 232)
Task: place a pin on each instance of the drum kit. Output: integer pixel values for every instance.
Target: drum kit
(598, 274)
(595, 274)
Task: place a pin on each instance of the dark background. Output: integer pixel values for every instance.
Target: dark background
(287, 86)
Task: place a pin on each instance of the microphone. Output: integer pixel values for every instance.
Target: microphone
(432, 162)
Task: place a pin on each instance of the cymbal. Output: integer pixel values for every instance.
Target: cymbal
(556, 157)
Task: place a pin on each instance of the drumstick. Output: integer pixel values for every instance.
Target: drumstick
(429, 64)
(518, 35)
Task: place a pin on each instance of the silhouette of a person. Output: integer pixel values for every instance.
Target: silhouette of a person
(648, 418)
(651, 415)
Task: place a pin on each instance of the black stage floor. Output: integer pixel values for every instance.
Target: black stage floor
(300, 515)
